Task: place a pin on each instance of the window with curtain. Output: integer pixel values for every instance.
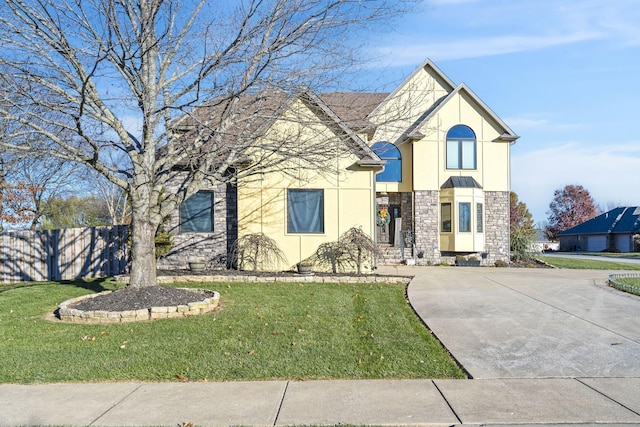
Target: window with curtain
(305, 211)
(393, 167)
(464, 209)
(196, 213)
(461, 148)
(445, 217)
(479, 218)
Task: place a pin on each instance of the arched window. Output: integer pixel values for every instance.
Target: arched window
(393, 168)
(461, 148)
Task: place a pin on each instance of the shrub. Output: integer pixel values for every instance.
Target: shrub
(257, 251)
(353, 249)
(501, 263)
(522, 244)
(164, 242)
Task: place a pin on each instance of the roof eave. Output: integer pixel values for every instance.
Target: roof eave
(371, 163)
(507, 137)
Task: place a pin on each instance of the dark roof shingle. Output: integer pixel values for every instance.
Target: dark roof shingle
(618, 220)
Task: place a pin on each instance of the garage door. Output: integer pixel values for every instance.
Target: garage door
(623, 242)
(596, 243)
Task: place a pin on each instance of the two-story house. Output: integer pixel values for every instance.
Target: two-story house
(427, 164)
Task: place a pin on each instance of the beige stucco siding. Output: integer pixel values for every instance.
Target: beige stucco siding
(492, 158)
(405, 106)
(347, 191)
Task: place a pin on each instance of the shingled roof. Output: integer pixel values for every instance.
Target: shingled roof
(621, 220)
(346, 112)
(460, 182)
(353, 107)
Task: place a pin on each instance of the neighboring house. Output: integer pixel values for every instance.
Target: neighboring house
(613, 231)
(543, 243)
(428, 163)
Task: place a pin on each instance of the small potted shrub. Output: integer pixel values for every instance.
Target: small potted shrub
(197, 264)
(304, 266)
(462, 261)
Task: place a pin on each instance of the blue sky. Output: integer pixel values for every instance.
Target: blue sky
(563, 74)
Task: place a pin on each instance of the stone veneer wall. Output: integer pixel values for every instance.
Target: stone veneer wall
(496, 226)
(426, 235)
(406, 208)
(214, 246)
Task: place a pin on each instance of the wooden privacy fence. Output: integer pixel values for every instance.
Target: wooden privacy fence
(65, 254)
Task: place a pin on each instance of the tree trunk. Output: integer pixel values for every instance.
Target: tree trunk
(143, 253)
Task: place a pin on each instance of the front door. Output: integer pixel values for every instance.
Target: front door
(387, 215)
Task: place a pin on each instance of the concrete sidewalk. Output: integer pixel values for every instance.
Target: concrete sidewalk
(371, 402)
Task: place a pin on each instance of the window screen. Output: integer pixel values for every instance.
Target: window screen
(305, 211)
(196, 213)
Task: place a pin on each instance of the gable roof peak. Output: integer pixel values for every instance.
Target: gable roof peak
(428, 66)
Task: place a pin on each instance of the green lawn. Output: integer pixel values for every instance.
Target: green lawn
(263, 331)
(628, 284)
(614, 254)
(577, 263)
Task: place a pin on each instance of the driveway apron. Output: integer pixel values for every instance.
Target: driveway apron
(530, 323)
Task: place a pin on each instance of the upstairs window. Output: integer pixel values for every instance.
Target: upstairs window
(393, 168)
(196, 213)
(305, 211)
(461, 148)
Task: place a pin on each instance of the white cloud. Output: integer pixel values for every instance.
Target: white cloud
(491, 28)
(609, 172)
(531, 123)
(526, 123)
(410, 54)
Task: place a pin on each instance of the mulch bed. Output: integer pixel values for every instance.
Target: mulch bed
(131, 298)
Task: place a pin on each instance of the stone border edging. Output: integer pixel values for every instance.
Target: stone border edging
(73, 315)
(624, 286)
(268, 279)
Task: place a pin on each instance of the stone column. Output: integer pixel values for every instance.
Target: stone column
(426, 227)
(497, 226)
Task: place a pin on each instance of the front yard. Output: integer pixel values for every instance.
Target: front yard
(263, 331)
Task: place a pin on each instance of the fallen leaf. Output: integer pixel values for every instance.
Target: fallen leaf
(294, 344)
(104, 334)
(181, 377)
(251, 352)
(275, 333)
(88, 338)
(9, 339)
(301, 330)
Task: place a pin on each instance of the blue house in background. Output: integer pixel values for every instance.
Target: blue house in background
(617, 230)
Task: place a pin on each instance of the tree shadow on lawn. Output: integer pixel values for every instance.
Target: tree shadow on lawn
(95, 285)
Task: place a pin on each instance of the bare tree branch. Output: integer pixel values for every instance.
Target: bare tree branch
(95, 77)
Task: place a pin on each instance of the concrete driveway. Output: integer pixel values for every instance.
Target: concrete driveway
(530, 323)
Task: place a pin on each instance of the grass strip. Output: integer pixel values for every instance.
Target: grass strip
(588, 264)
(626, 284)
(263, 331)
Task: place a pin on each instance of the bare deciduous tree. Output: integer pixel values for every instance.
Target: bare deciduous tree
(96, 77)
